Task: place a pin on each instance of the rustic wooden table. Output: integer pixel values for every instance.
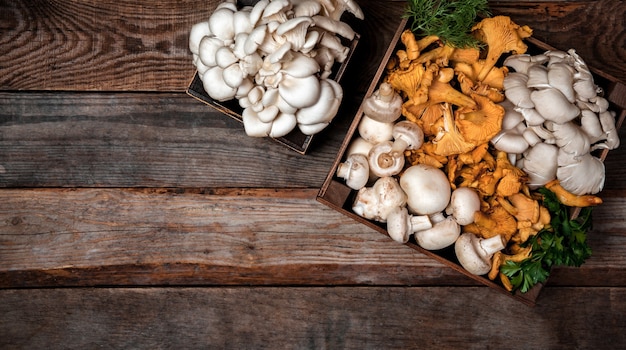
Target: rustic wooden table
(133, 216)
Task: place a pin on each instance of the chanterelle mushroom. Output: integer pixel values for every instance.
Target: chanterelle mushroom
(501, 35)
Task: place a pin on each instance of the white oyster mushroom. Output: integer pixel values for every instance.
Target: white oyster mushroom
(306, 8)
(215, 86)
(580, 175)
(540, 164)
(314, 118)
(287, 48)
(565, 118)
(198, 31)
(222, 25)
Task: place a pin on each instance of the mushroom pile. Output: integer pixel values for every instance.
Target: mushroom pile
(555, 118)
(276, 58)
(427, 160)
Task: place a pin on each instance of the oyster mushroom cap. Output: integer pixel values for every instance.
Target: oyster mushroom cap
(582, 176)
(540, 164)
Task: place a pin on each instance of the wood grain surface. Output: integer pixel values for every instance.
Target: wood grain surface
(133, 216)
(310, 318)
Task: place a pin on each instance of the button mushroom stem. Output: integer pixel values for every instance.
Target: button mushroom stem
(406, 135)
(475, 253)
(383, 162)
(401, 225)
(444, 233)
(355, 170)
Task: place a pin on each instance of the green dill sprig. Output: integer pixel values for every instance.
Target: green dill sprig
(450, 20)
(562, 243)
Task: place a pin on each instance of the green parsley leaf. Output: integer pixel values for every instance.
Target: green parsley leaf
(561, 243)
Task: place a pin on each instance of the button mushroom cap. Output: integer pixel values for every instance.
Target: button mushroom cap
(355, 170)
(445, 232)
(464, 202)
(406, 136)
(383, 162)
(376, 202)
(374, 131)
(401, 225)
(384, 105)
(427, 188)
(475, 253)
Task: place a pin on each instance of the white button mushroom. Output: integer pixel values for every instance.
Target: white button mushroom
(445, 232)
(355, 170)
(376, 202)
(401, 225)
(383, 162)
(475, 253)
(427, 188)
(406, 136)
(464, 202)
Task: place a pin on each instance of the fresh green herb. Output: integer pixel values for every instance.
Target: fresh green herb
(563, 242)
(450, 20)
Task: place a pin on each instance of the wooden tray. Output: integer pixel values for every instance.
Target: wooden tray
(295, 140)
(335, 194)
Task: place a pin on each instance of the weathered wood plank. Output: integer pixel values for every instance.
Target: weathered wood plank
(98, 45)
(110, 45)
(120, 46)
(148, 140)
(83, 237)
(128, 237)
(310, 318)
(594, 28)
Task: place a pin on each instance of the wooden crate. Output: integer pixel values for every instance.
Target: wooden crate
(295, 140)
(335, 194)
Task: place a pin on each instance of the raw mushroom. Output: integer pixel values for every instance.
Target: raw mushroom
(401, 225)
(445, 232)
(406, 136)
(564, 119)
(464, 202)
(380, 111)
(376, 202)
(355, 170)
(427, 189)
(384, 162)
(475, 253)
(266, 44)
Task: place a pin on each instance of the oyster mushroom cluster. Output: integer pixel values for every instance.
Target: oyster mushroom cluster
(276, 58)
(555, 117)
